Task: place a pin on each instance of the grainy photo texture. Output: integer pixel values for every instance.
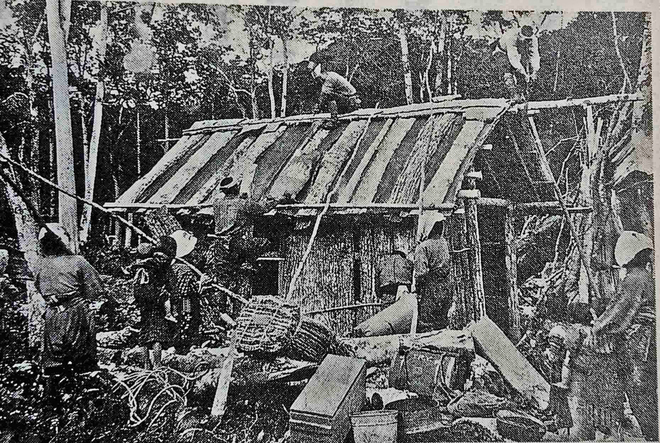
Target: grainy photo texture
(288, 224)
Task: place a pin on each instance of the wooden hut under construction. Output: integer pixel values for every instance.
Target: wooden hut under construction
(480, 162)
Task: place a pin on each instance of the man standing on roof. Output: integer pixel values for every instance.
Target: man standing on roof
(517, 60)
(338, 96)
(433, 275)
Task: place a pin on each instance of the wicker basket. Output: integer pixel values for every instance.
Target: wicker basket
(266, 325)
(312, 341)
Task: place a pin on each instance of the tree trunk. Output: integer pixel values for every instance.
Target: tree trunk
(57, 26)
(427, 83)
(449, 42)
(439, 65)
(28, 242)
(285, 74)
(271, 91)
(90, 172)
(403, 39)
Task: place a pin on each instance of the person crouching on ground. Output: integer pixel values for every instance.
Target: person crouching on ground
(338, 96)
(68, 283)
(433, 276)
(148, 290)
(183, 286)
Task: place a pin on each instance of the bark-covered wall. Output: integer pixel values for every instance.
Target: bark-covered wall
(340, 269)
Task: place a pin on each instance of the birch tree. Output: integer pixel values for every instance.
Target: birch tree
(59, 14)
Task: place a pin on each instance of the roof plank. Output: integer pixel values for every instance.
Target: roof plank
(168, 192)
(399, 158)
(299, 170)
(406, 187)
(333, 161)
(368, 185)
(206, 189)
(273, 159)
(152, 180)
(446, 172)
(347, 192)
(215, 165)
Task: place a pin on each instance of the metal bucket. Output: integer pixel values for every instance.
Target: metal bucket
(375, 426)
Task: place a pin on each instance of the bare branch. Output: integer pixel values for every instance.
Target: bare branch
(626, 80)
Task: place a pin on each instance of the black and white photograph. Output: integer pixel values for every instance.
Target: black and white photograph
(298, 222)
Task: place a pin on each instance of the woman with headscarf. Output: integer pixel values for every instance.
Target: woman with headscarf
(148, 290)
(68, 283)
(183, 286)
(433, 274)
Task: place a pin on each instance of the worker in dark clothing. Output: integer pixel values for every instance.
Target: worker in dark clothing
(148, 290)
(338, 96)
(183, 286)
(433, 276)
(68, 283)
(517, 60)
(627, 329)
(392, 271)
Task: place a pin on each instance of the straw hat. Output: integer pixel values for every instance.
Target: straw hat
(629, 244)
(228, 183)
(185, 242)
(58, 231)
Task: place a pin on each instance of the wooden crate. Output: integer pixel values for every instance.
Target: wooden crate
(321, 413)
(424, 367)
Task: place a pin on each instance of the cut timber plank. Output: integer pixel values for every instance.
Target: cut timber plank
(170, 190)
(333, 161)
(272, 160)
(346, 193)
(368, 187)
(243, 167)
(177, 151)
(495, 347)
(298, 171)
(436, 191)
(221, 392)
(407, 184)
(207, 188)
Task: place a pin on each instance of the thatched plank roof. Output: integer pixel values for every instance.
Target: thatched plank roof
(295, 157)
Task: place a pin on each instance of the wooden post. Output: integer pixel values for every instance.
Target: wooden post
(128, 240)
(464, 311)
(470, 197)
(511, 258)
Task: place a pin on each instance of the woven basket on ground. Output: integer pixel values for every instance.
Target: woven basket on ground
(312, 341)
(266, 325)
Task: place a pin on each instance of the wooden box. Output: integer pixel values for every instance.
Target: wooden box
(437, 363)
(321, 413)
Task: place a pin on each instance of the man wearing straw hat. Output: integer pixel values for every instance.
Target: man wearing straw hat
(432, 274)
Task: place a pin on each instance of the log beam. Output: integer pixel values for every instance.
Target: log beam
(550, 207)
(570, 102)
(511, 259)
